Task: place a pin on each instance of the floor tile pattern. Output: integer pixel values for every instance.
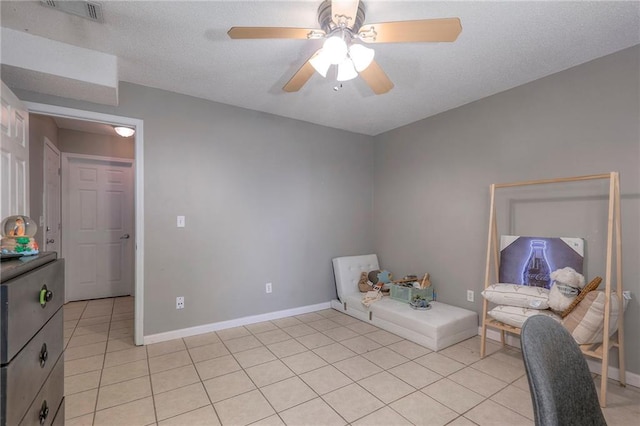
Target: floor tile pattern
(321, 368)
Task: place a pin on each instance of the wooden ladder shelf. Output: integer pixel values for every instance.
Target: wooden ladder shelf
(614, 231)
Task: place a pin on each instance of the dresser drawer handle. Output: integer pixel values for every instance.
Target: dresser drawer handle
(44, 412)
(44, 354)
(45, 296)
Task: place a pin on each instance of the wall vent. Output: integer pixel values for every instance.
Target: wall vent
(85, 9)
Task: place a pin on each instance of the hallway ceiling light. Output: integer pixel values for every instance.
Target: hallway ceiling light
(125, 132)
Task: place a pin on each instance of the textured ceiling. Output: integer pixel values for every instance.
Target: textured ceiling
(183, 47)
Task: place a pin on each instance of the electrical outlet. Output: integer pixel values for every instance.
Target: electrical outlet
(470, 296)
(268, 288)
(180, 302)
(181, 222)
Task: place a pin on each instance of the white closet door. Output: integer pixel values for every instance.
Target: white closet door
(14, 155)
(98, 240)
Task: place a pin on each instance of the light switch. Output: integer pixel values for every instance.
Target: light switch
(180, 221)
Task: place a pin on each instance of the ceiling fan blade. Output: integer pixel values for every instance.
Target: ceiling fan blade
(376, 78)
(299, 79)
(274, 32)
(345, 11)
(425, 30)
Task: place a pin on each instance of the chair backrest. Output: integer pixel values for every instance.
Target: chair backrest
(562, 389)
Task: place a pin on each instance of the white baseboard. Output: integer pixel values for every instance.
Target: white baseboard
(595, 366)
(207, 328)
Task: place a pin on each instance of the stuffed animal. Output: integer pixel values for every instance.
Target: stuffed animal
(363, 284)
(566, 284)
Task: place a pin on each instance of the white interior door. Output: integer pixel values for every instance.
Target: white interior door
(52, 176)
(14, 155)
(97, 231)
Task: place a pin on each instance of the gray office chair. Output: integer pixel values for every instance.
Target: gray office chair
(562, 389)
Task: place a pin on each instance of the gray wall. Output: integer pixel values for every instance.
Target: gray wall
(273, 199)
(432, 177)
(95, 144)
(266, 199)
(39, 127)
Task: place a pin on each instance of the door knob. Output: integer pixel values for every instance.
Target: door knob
(125, 237)
(51, 241)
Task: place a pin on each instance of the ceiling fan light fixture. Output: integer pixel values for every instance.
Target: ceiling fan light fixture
(341, 24)
(361, 56)
(346, 70)
(125, 132)
(320, 62)
(336, 49)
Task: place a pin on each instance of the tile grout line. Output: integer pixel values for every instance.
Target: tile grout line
(342, 387)
(415, 390)
(450, 408)
(66, 347)
(67, 343)
(279, 381)
(294, 375)
(202, 381)
(104, 360)
(153, 396)
(75, 326)
(109, 330)
(251, 379)
(129, 379)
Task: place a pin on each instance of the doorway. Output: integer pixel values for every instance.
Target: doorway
(137, 243)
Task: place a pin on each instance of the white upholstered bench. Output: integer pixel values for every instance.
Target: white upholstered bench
(441, 326)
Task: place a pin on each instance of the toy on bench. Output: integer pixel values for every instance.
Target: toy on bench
(369, 280)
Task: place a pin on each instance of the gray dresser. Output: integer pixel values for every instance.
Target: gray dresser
(31, 341)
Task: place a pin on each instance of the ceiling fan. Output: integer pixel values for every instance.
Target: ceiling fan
(341, 23)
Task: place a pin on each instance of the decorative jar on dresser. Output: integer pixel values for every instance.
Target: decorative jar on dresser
(31, 341)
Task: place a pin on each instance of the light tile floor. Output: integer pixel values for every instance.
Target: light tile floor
(322, 368)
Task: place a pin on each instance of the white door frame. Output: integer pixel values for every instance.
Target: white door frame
(58, 111)
(45, 211)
